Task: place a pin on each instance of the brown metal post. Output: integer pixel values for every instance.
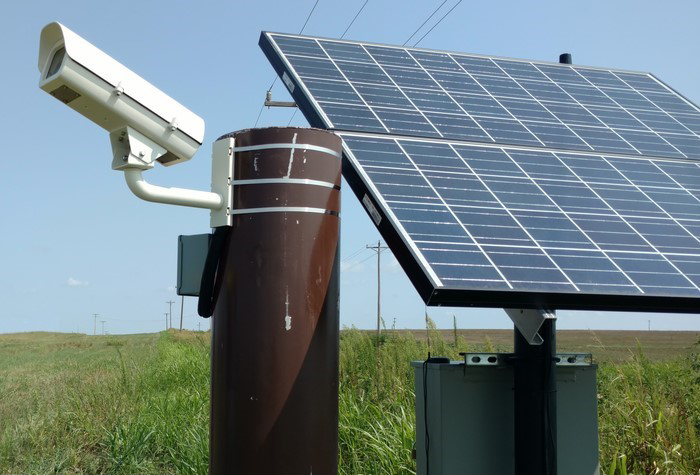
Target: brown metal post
(274, 397)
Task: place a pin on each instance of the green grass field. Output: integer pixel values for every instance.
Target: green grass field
(138, 404)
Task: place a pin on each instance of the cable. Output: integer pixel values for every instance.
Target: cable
(425, 414)
(359, 251)
(358, 263)
(341, 37)
(353, 20)
(292, 117)
(275, 80)
(439, 21)
(426, 21)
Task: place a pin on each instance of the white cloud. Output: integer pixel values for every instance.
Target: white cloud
(73, 282)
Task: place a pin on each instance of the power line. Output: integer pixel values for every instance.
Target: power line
(360, 262)
(353, 20)
(276, 77)
(359, 251)
(439, 21)
(422, 24)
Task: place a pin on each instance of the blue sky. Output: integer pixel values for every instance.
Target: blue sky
(75, 241)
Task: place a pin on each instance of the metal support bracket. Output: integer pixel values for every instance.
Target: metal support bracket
(270, 103)
(529, 321)
(222, 180)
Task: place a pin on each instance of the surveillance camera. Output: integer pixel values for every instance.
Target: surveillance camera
(144, 123)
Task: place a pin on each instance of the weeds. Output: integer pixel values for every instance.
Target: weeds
(140, 404)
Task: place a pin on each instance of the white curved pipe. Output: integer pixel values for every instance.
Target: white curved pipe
(172, 196)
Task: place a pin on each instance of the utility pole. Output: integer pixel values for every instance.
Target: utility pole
(103, 326)
(94, 327)
(378, 249)
(166, 321)
(171, 302)
(199, 326)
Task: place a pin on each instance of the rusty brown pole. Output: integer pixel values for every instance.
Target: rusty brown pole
(274, 388)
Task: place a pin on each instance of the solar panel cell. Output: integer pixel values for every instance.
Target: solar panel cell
(502, 181)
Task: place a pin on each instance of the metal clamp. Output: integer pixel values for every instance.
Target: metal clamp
(529, 321)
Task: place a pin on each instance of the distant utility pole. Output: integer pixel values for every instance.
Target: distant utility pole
(94, 327)
(378, 249)
(166, 321)
(182, 310)
(171, 302)
(103, 326)
(199, 326)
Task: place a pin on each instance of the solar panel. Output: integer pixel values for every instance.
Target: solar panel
(502, 182)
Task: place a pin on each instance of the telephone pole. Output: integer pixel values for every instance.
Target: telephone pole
(171, 302)
(378, 249)
(103, 326)
(166, 321)
(94, 326)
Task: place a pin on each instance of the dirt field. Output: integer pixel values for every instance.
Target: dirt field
(608, 345)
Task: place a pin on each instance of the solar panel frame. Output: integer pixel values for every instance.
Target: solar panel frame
(418, 269)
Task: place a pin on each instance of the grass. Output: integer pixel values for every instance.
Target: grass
(77, 404)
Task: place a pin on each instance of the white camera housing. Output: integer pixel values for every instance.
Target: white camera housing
(118, 100)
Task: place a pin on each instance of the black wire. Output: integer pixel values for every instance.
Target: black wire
(425, 415)
(358, 263)
(259, 114)
(276, 77)
(307, 18)
(292, 117)
(439, 21)
(426, 21)
(353, 20)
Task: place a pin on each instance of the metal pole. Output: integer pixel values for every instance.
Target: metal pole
(379, 288)
(274, 385)
(378, 249)
(182, 310)
(94, 327)
(535, 404)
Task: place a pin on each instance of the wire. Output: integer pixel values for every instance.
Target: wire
(425, 414)
(359, 251)
(276, 77)
(439, 21)
(360, 262)
(426, 21)
(353, 20)
(292, 117)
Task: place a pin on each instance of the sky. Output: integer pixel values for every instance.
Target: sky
(75, 242)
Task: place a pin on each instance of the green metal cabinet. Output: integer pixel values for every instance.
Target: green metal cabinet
(470, 419)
